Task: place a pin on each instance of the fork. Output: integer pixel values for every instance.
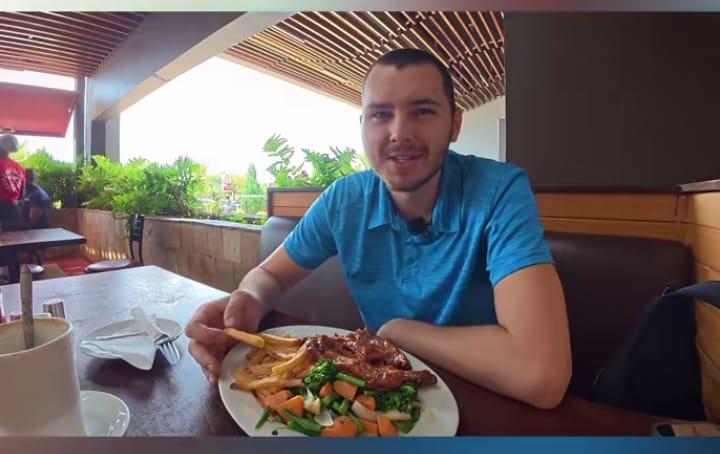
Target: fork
(162, 341)
(169, 350)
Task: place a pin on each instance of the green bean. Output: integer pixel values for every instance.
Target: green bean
(327, 400)
(350, 379)
(304, 423)
(357, 422)
(263, 417)
(344, 406)
(292, 425)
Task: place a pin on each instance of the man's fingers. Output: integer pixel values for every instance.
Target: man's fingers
(207, 360)
(242, 312)
(206, 335)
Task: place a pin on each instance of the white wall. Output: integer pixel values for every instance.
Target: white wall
(480, 131)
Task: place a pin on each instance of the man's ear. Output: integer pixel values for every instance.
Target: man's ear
(456, 125)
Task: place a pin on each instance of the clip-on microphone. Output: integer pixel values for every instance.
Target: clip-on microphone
(419, 226)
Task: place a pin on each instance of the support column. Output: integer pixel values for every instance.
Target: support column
(79, 123)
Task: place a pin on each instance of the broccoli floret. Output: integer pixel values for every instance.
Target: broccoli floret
(400, 399)
(322, 372)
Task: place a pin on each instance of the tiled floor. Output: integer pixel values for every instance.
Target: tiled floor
(71, 266)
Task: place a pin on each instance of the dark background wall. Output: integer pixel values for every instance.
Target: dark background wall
(614, 98)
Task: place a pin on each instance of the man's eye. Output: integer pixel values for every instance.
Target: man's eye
(382, 115)
(421, 112)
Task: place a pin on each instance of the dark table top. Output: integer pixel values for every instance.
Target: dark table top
(38, 238)
(178, 401)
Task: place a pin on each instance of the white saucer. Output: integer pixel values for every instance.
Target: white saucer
(105, 415)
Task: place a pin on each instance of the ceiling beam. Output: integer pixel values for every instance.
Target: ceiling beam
(164, 46)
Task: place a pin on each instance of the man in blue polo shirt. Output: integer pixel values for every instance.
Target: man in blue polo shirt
(443, 253)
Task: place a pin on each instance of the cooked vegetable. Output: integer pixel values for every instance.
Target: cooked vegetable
(401, 399)
(326, 390)
(363, 412)
(263, 417)
(342, 427)
(350, 379)
(324, 371)
(305, 424)
(345, 389)
(294, 405)
(357, 422)
(367, 401)
(273, 400)
(328, 400)
(371, 428)
(385, 427)
(341, 407)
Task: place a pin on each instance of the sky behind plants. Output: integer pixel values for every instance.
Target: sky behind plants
(220, 114)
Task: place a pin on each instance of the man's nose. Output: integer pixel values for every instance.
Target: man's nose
(401, 129)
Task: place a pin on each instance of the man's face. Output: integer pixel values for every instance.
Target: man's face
(407, 124)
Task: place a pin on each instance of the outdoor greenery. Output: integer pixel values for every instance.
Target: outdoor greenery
(183, 188)
(58, 178)
(324, 168)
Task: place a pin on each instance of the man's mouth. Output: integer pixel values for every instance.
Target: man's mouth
(404, 157)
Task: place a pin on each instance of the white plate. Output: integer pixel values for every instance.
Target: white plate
(171, 327)
(439, 418)
(105, 415)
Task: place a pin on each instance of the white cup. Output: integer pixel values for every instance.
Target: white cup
(39, 387)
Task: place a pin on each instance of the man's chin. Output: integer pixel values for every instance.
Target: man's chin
(404, 186)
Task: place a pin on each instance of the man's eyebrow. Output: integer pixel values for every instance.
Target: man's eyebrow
(413, 103)
(424, 101)
(378, 106)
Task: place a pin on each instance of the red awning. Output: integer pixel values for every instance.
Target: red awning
(35, 111)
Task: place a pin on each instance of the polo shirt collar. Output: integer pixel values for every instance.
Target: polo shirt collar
(447, 212)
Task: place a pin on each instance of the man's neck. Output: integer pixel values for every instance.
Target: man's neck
(418, 203)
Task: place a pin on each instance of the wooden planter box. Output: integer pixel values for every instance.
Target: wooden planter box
(216, 253)
(290, 202)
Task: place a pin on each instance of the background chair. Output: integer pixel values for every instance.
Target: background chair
(136, 227)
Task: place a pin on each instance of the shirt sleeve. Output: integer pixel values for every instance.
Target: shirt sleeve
(312, 242)
(514, 232)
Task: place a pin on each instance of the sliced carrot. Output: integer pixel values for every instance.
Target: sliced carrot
(326, 390)
(370, 427)
(385, 427)
(294, 404)
(279, 397)
(345, 389)
(343, 426)
(366, 401)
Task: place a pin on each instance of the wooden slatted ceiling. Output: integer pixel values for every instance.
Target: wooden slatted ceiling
(331, 51)
(70, 44)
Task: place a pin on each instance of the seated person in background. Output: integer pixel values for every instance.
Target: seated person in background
(35, 204)
(444, 253)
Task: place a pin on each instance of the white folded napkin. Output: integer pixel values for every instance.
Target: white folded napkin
(132, 343)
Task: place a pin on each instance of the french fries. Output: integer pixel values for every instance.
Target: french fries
(273, 363)
(247, 338)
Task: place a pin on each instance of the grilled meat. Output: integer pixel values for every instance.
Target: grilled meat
(364, 355)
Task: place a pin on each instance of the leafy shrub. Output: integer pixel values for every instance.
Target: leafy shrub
(57, 178)
(324, 168)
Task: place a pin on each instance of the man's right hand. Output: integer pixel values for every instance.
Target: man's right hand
(208, 341)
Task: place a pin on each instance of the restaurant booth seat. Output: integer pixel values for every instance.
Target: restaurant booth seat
(608, 282)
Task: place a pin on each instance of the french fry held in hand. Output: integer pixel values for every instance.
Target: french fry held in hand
(247, 338)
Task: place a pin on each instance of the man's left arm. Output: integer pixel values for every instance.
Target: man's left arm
(525, 356)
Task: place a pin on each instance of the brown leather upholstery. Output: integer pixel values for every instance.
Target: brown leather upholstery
(608, 283)
(323, 297)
